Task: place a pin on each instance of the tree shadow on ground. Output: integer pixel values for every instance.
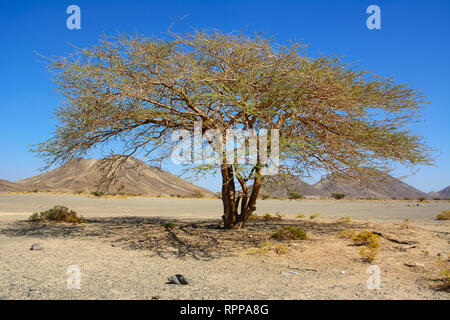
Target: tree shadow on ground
(198, 239)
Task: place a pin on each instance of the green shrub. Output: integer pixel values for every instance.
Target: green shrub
(300, 216)
(296, 195)
(170, 225)
(98, 193)
(289, 233)
(445, 215)
(338, 196)
(57, 214)
(313, 216)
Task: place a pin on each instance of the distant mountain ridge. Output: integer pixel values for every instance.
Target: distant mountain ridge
(384, 187)
(281, 186)
(443, 194)
(9, 186)
(136, 177)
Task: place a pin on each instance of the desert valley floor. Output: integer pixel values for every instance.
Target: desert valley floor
(130, 246)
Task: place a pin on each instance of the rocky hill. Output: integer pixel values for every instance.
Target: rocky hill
(135, 177)
(385, 187)
(281, 186)
(443, 194)
(9, 186)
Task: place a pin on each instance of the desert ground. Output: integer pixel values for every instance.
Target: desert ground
(129, 248)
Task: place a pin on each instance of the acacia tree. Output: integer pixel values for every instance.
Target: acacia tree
(137, 90)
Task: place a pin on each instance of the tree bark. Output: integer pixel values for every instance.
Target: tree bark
(231, 199)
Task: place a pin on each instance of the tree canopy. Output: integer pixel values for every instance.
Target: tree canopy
(138, 90)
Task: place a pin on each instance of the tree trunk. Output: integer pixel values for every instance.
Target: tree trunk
(230, 199)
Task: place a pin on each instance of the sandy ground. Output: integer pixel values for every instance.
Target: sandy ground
(127, 250)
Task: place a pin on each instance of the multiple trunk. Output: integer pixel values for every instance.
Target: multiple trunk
(235, 216)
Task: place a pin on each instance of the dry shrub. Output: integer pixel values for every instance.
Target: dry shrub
(289, 233)
(344, 220)
(57, 214)
(369, 241)
(266, 247)
(445, 215)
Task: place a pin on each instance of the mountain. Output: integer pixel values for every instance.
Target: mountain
(281, 186)
(384, 186)
(443, 194)
(11, 186)
(135, 177)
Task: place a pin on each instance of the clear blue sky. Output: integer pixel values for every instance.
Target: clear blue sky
(413, 45)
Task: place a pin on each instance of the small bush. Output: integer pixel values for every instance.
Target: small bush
(265, 247)
(314, 216)
(269, 216)
(338, 196)
(170, 225)
(346, 234)
(265, 196)
(197, 194)
(365, 238)
(98, 193)
(344, 220)
(370, 244)
(279, 249)
(300, 216)
(369, 253)
(57, 214)
(296, 195)
(289, 233)
(444, 267)
(445, 215)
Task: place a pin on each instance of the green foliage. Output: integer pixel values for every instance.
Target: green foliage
(300, 216)
(169, 225)
(57, 214)
(338, 196)
(314, 216)
(296, 195)
(140, 89)
(98, 193)
(289, 233)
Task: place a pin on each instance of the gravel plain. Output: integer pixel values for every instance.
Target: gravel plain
(131, 246)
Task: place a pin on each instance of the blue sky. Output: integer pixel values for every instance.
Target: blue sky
(413, 46)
